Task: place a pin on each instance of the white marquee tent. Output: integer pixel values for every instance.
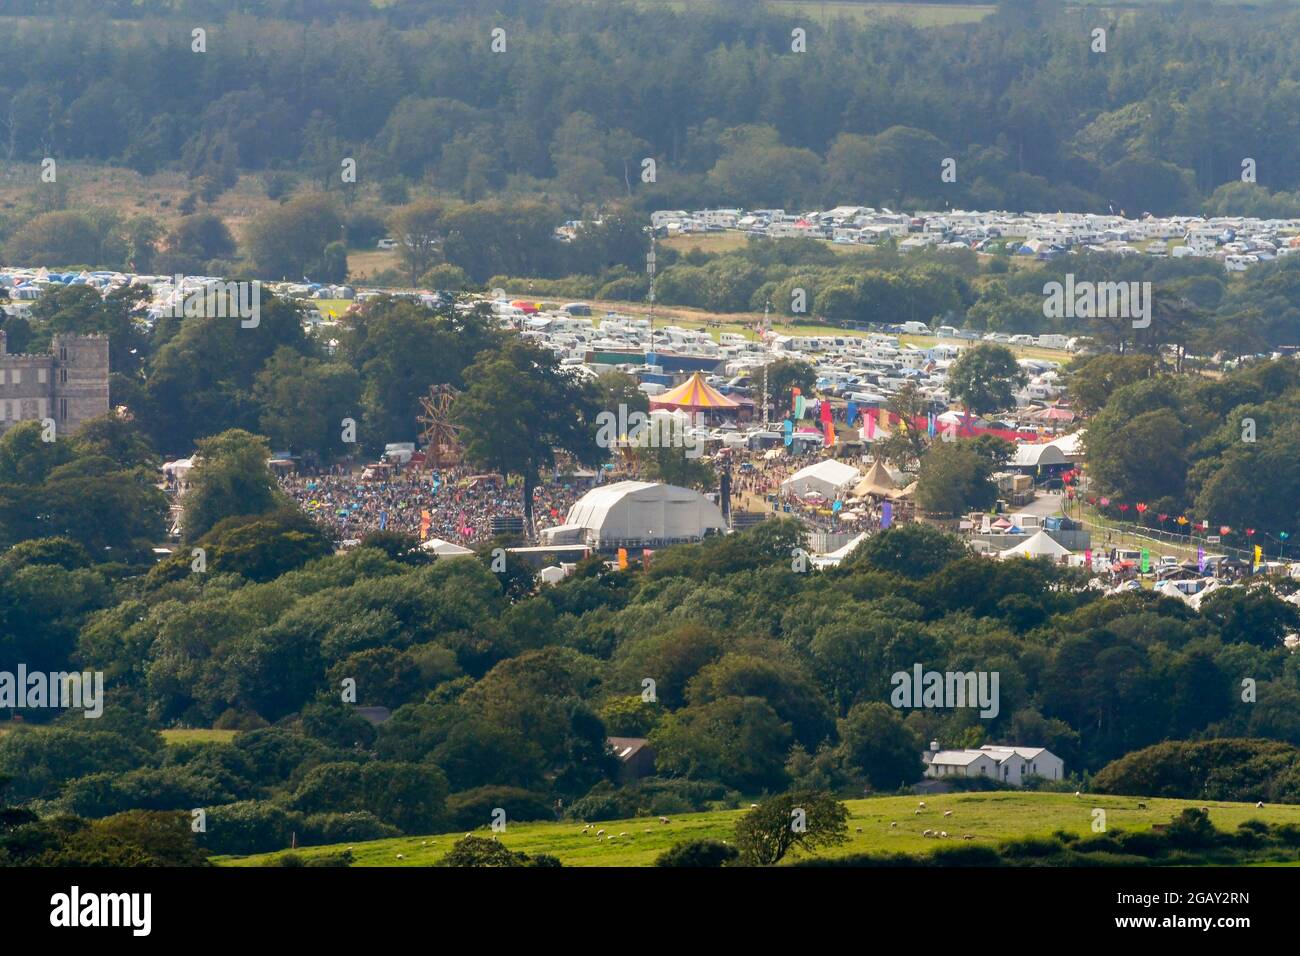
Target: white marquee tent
(825, 478)
(644, 512)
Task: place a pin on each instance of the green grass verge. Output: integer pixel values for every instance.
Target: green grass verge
(989, 817)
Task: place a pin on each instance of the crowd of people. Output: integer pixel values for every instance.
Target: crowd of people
(459, 504)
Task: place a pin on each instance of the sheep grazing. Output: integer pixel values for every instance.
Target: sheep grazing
(921, 804)
(968, 836)
(622, 834)
(926, 832)
(401, 857)
(947, 813)
(664, 820)
(917, 812)
(600, 833)
(1259, 805)
(944, 834)
(753, 806)
(1077, 793)
(1142, 806)
(893, 826)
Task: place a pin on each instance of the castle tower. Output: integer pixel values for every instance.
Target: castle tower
(81, 371)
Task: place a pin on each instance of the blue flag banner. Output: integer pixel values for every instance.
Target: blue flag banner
(886, 515)
(851, 412)
(787, 426)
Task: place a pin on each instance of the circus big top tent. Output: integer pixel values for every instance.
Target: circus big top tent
(696, 395)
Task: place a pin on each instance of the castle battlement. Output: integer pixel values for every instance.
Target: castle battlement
(68, 384)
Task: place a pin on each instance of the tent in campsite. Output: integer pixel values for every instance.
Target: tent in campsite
(825, 478)
(1041, 545)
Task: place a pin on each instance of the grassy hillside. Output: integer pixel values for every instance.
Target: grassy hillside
(988, 817)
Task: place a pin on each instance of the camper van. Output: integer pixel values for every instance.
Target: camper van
(915, 328)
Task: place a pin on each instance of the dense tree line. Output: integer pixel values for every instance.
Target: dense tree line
(504, 699)
(1221, 450)
(583, 93)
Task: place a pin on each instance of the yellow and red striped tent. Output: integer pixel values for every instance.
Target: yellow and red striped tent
(694, 395)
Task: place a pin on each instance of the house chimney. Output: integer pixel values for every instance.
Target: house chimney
(934, 746)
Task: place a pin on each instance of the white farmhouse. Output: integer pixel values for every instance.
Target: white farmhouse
(1008, 764)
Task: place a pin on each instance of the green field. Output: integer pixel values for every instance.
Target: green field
(989, 817)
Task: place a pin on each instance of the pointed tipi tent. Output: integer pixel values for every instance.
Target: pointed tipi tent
(876, 481)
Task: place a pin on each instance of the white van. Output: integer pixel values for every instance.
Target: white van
(731, 338)
(915, 328)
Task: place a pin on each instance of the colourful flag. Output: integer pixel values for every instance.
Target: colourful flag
(622, 559)
(1087, 558)
(787, 427)
(426, 520)
(794, 398)
(851, 412)
(886, 515)
(1259, 556)
(1200, 560)
(645, 557)
(1146, 560)
(830, 434)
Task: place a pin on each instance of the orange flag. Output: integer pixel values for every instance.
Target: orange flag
(426, 519)
(622, 559)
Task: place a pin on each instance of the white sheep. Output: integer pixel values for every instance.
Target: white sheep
(893, 826)
(917, 812)
(600, 833)
(401, 857)
(926, 832)
(1077, 793)
(1260, 805)
(947, 813)
(943, 833)
(968, 836)
(921, 804)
